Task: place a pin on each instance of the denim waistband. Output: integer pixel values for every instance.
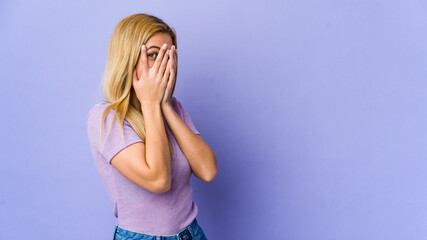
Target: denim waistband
(187, 233)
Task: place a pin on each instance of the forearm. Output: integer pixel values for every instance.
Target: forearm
(157, 148)
(198, 153)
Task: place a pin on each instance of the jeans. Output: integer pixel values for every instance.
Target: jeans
(191, 232)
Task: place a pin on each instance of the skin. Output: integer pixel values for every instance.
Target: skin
(153, 47)
(198, 153)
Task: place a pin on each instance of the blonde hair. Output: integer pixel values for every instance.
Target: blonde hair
(123, 53)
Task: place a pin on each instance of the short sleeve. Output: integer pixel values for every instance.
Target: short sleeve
(113, 142)
(186, 117)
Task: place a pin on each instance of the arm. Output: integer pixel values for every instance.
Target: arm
(198, 153)
(157, 152)
(148, 165)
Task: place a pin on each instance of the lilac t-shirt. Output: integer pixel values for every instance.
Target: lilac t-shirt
(136, 208)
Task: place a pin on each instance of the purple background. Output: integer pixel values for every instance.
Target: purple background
(316, 111)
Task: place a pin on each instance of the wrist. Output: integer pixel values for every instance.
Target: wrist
(165, 105)
(149, 105)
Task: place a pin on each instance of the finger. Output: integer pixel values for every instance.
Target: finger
(164, 63)
(172, 73)
(166, 74)
(175, 59)
(168, 79)
(144, 61)
(159, 57)
(171, 52)
(167, 94)
(175, 56)
(171, 81)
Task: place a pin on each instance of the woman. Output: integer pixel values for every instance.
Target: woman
(147, 157)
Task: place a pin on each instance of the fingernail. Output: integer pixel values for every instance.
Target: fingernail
(167, 51)
(143, 47)
(164, 46)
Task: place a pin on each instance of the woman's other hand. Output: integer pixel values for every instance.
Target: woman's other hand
(150, 86)
(172, 76)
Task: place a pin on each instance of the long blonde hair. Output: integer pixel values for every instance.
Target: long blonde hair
(123, 53)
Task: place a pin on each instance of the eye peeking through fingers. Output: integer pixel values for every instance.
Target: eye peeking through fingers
(152, 55)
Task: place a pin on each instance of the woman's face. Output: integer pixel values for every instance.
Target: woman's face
(153, 46)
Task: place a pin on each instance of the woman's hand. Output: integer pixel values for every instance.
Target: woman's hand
(172, 76)
(150, 86)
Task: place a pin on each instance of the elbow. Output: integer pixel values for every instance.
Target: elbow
(162, 186)
(210, 176)
(211, 172)
(164, 189)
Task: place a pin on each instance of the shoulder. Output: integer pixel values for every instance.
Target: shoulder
(98, 107)
(177, 106)
(96, 111)
(176, 103)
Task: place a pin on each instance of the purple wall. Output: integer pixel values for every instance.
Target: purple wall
(316, 111)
